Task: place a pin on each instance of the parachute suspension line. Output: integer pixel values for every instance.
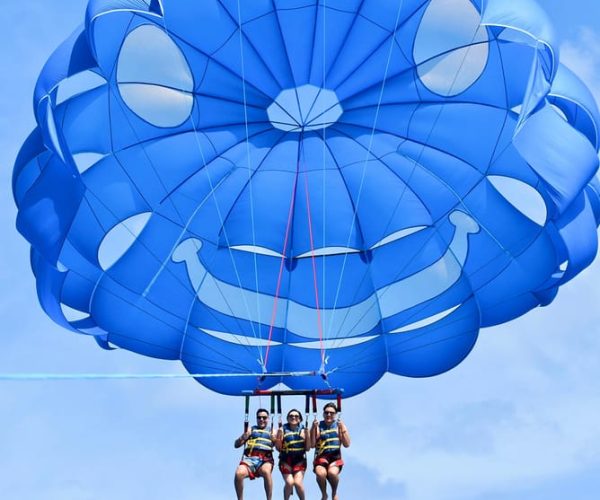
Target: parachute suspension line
(154, 169)
(163, 266)
(416, 162)
(246, 346)
(324, 189)
(250, 190)
(175, 276)
(232, 362)
(409, 340)
(364, 168)
(314, 265)
(368, 359)
(220, 216)
(144, 151)
(184, 228)
(281, 266)
(335, 341)
(368, 152)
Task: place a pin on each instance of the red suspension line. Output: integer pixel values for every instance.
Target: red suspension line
(314, 268)
(281, 264)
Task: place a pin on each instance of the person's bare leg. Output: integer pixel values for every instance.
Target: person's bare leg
(265, 472)
(333, 476)
(288, 487)
(241, 473)
(299, 483)
(321, 473)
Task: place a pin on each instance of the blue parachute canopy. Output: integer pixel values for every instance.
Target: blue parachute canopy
(338, 187)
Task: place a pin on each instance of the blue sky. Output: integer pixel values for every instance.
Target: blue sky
(516, 420)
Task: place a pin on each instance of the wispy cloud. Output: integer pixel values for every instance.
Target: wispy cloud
(582, 55)
(521, 410)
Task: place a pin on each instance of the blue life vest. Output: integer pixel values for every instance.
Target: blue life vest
(329, 439)
(293, 442)
(259, 441)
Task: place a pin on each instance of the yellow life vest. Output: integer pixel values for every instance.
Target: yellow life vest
(329, 439)
(259, 440)
(293, 442)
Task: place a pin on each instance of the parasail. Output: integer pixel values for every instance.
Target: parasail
(324, 190)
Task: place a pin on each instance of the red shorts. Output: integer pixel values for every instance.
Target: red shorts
(328, 459)
(291, 463)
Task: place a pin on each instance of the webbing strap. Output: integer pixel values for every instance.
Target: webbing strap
(246, 413)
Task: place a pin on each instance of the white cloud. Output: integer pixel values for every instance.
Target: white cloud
(521, 410)
(582, 56)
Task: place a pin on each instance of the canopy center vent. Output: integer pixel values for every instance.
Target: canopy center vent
(305, 108)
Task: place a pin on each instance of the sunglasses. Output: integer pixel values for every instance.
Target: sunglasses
(260, 417)
(328, 413)
(293, 416)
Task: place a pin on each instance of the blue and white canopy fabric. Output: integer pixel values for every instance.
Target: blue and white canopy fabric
(344, 187)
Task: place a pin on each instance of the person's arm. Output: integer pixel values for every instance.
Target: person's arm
(278, 439)
(344, 435)
(241, 440)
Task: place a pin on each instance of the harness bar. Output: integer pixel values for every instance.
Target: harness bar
(295, 392)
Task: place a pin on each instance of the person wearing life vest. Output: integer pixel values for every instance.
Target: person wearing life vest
(257, 460)
(293, 441)
(328, 436)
